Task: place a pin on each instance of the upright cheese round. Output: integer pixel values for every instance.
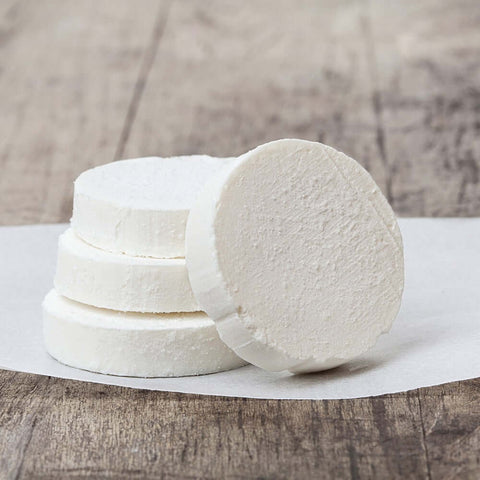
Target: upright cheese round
(140, 207)
(121, 282)
(133, 344)
(297, 257)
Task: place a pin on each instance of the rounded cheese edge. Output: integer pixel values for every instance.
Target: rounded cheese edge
(210, 289)
(144, 233)
(103, 279)
(137, 345)
(141, 230)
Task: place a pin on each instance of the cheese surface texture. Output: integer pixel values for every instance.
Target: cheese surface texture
(121, 282)
(133, 344)
(296, 255)
(140, 206)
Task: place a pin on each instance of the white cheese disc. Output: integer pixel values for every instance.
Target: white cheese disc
(121, 282)
(133, 344)
(140, 207)
(296, 255)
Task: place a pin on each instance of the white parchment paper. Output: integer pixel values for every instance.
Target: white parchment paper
(435, 339)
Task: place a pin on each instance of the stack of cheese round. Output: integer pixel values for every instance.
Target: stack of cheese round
(122, 302)
(290, 249)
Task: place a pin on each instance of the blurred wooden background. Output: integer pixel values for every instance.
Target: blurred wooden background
(396, 85)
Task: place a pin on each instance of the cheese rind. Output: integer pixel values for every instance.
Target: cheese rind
(120, 282)
(297, 257)
(133, 344)
(140, 206)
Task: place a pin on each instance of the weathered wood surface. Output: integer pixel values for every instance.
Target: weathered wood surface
(394, 84)
(68, 70)
(54, 428)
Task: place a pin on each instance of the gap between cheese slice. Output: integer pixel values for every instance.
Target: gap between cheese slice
(297, 257)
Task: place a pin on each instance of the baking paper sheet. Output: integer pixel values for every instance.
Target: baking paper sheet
(435, 339)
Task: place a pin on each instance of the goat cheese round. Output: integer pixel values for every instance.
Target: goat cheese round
(133, 344)
(296, 255)
(140, 206)
(121, 282)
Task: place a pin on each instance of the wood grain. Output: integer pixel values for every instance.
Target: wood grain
(450, 415)
(229, 77)
(55, 428)
(68, 70)
(394, 84)
(427, 58)
(109, 432)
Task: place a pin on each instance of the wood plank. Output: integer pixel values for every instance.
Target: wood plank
(393, 85)
(451, 419)
(64, 429)
(229, 76)
(427, 58)
(67, 429)
(68, 71)
(18, 417)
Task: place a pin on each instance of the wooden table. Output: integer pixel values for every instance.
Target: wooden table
(394, 84)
